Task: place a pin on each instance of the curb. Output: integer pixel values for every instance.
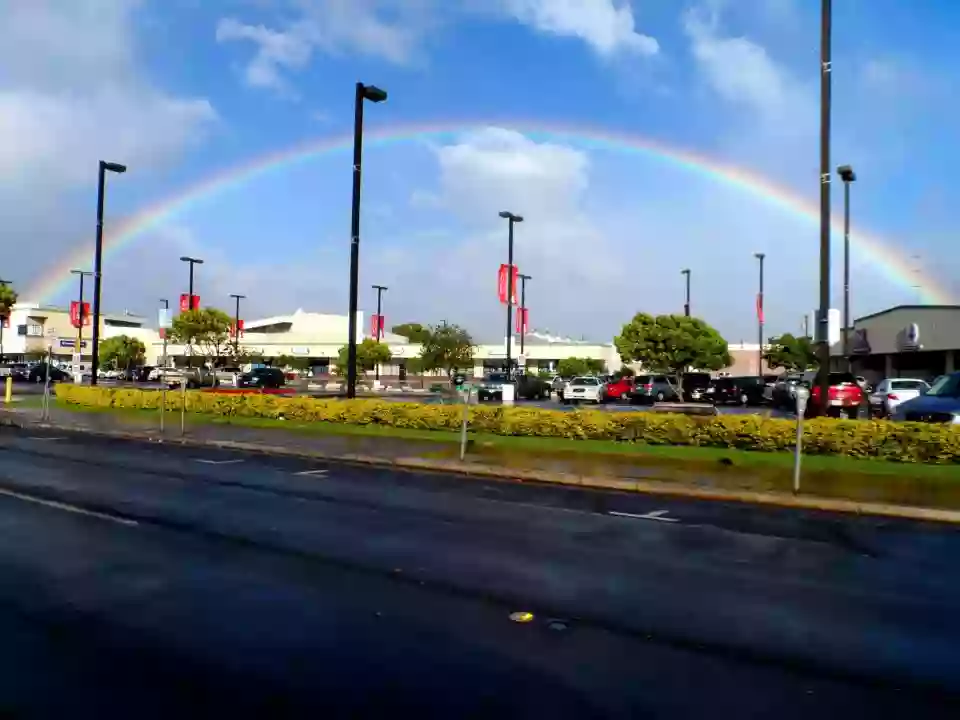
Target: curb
(496, 472)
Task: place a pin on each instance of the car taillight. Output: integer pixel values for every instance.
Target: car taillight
(892, 396)
(648, 386)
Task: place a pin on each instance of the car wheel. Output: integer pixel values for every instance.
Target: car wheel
(624, 397)
(744, 400)
(659, 397)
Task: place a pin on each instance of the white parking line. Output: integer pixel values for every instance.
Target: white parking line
(67, 507)
(653, 515)
(44, 439)
(218, 462)
(314, 473)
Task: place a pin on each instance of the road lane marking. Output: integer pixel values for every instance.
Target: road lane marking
(314, 473)
(43, 439)
(653, 515)
(67, 507)
(218, 462)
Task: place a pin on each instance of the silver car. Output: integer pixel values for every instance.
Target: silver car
(893, 391)
(940, 404)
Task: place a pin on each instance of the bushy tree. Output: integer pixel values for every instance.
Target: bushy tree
(414, 367)
(206, 332)
(414, 332)
(573, 366)
(122, 351)
(794, 354)
(447, 348)
(370, 353)
(672, 344)
(8, 298)
(294, 362)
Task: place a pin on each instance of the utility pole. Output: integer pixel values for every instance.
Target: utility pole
(823, 319)
(236, 325)
(380, 289)
(523, 309)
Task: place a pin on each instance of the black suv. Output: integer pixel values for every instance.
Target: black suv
(263, 377)
(745, 390)
(528, 387)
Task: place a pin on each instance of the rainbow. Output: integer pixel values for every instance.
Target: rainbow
(890, 261)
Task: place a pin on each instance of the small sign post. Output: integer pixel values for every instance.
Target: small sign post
(803, 396)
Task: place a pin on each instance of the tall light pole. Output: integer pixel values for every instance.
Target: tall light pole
(686, 305)
(760, 257)
(3, 320)
(523, 309)
(104, 168)
(848, 176)
(380, 289)
(823, 319)
(511, 219)
(376, 95)
(80, 313)
(236, 323)
(191, 261)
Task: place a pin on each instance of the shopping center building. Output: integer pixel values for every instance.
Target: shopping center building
(915, 341)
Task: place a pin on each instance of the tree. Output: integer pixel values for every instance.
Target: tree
(447, 348)
(206, 331)
(122, 351)
(625, 372)
(794, 354)
(8, 298)
(672, 344)
(414, 366)
(414, 332)
(370, 353)
(572, 366)
(294, 362)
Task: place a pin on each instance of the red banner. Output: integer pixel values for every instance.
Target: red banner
(233, 328)
(5, 320)
(163, 333)
(185, 303)
(760, 307)
(523, 321)
(502, 282)
(376, 324)
(75, 314)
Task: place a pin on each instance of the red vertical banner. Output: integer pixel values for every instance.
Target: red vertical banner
(236, 328)
(163, 333)
(502, 282)
(523, 321)
(86, 314)
(760, 307)
(376, 325)
(184, 302)
(75, 313)
(195, 302)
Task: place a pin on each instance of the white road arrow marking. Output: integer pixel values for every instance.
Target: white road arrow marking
(218, 462)
(314, 473)
(657, 515)
(45, 439)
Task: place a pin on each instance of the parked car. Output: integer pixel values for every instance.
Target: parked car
(648, 389)
(190, 377)
(744, 390)
(619, 388)
(18, 371)
(39, 372)
(526, 387)
(262, 377)
(696, 386)
(558, 383)
(845, 398)
(940, 404)
(893, 391)
(583, 389)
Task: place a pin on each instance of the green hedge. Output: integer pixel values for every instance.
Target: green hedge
(904, 442)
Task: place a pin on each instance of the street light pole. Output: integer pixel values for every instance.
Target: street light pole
(511, 219)
(104, 168)
(80, 314)
(236, 324)
(523, 309)
(686, 305)
(380, 289)
(191, 261)
(376, 95)
(823, 349)
(848, 176)
(3, 320)
(760, 257)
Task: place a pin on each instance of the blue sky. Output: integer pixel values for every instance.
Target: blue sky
(179, 89)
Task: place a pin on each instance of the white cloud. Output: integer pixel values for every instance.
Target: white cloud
(608, 26)
(71, 93)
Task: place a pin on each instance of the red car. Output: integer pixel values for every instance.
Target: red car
(845, 396)
(619, 389)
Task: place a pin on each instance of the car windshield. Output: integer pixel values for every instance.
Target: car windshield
(947, 386)
(842, 378)
(497, 377)
(584, 381)
(908, 384)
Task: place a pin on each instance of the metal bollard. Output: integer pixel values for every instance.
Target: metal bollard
(803, 396)
(463, 428)
(8, 394)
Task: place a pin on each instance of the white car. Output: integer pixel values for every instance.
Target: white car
(893, 391)
(583, 389)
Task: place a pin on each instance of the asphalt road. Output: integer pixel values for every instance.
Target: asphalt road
(171, 580)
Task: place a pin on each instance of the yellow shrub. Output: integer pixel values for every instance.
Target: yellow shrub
(903, 442)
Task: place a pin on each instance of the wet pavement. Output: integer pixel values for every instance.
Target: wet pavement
(171, 581)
